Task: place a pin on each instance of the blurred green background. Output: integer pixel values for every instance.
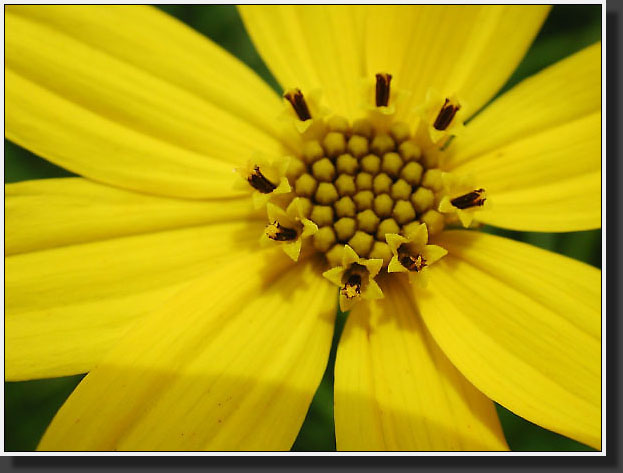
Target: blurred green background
(30, 406)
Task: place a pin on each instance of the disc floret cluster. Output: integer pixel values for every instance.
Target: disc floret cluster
(368, 194)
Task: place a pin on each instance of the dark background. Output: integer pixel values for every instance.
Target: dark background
(30, 405)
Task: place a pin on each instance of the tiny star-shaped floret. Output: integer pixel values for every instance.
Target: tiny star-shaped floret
(413, 254)
(355, 278)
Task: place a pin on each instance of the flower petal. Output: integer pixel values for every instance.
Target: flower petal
(49, 213)
(66, 307)
(547, 182)
(311, 47)
(232, 363)
(447, 48)
(565, 91)
(129, 96)
(396, 390)
(522, 324)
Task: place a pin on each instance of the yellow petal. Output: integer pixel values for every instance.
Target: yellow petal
(373, 266)
(231, 363)
(309, 228)
(395, 389)
(465, 217)
(535, 105)
(523, 325)
(547, 182)
(311, 47)
(395, 266)
(349, 257)
(419, 235)
(293, 249)
(48, 213)
(335, 275)
(66, 307)
(128, 96)
(447, 48)
(373, 291)
(433, 253)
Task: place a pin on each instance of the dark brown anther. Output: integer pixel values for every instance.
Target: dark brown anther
(296, 99)
(471, 199)
(259, 182)
(382, 89)
(277, 232)
(352, 288)
(446, 114)
(412, 263)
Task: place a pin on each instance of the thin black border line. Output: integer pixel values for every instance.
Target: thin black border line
(576, 455)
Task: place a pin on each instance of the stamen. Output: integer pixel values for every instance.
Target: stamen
(296, 99)
(258, 181)
(382, 89)
(276, 231)
(412, 263)
(352, 288)
(446, 114)
(475, 198)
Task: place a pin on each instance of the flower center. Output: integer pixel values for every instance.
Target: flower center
(361, 183)
(368, 194)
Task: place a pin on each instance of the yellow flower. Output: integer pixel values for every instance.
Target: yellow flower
(147, 272)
